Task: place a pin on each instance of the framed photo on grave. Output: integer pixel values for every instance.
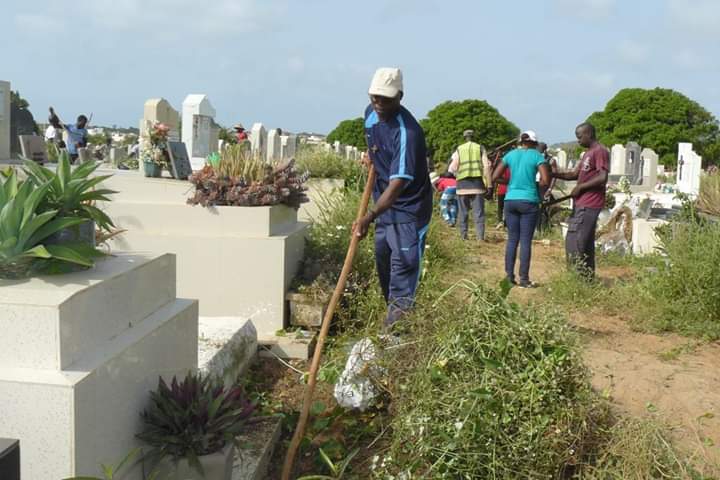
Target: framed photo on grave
(179, 160)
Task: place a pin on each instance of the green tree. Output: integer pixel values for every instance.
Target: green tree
(658, 118)
(446, 122)
(349, 132)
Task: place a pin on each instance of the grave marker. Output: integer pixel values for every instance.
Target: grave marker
(273, 145)
(33, 147)
(633, 164)
(649, 167)
(618, 159)
(258, 140)
(689, 169)
(197, 128)
(179, 160)
(4, 120)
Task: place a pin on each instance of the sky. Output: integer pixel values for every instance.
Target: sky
(306, 65)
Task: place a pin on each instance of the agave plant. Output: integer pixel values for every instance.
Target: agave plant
(194, 417)
(72, 192)
(23, 228)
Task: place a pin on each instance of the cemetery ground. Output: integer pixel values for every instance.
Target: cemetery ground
(568, 380)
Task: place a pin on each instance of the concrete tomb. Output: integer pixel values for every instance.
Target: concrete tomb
(79, 354)
(633, 164)
(689, 168)
(273, 144)
(259, 140)
(649, 167)
(33, 147)
(618, 160)
(4, 120)
(199, 132)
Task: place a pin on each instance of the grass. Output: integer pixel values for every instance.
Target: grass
(327, 164)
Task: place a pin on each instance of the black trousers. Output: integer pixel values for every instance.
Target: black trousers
(500, 206)
(580, 240)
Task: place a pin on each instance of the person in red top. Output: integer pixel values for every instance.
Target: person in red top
(240, 133)
(502, 186)
(588, 195)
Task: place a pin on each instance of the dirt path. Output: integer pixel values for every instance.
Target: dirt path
(670, 376)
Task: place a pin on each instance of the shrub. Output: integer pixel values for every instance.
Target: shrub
(686, 288)
(488, 390)
(322, 164)
(243, 180)
(194, 417)
(709, 198)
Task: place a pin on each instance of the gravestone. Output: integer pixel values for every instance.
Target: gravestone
(21, 123)
(355, 154)
(117, 155)
(197, 129)
(348, 152)
(649, 167)
(289, 146)
(273, 145)
(562, 159)
(4, 120)
(9, 459)
(633, 164)
(618, 159)
(258, 140)
(337, 147)
(159, 110)
(689, 169)
(34, 148)
(179, 160)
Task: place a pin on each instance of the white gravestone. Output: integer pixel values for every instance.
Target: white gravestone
(649, 167)
(689, 169)
(562, 159)
(348, 152)
(327, 147)
(4, 120)
(633, 165)
(273, 145)
(289, 146)
(618, 159)
(159, 110)
(197, 129)
(337, 147)
(258, 140)
(355, 154)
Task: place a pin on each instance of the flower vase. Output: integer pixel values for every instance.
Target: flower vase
(152, 169)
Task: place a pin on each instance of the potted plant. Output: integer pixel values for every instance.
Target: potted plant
(73, 193)
(25, 229)
(154, 151)
(191, 426)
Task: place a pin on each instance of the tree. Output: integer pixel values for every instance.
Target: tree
(446, 122)
(18, 101)
(349, 132)
(658, 118)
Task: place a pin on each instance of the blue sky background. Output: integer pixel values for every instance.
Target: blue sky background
(306, 65)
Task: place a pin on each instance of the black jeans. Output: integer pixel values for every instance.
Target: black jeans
(500, 206)
(580, 240)
(521, 218)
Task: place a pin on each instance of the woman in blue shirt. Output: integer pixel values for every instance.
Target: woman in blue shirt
(522, 203)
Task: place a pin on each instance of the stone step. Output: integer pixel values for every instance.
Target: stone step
(293, 346)
(226, 347)
(252, 460)
(49, 322)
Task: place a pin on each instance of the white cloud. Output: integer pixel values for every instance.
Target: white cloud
(633, 52)
(588, 8)
(689, 59)
(37, 23)
(296, 64)
(695, 16)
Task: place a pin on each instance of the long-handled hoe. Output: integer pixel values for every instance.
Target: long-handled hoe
(315, 365)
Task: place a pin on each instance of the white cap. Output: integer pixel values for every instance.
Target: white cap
(529, 135)
(386, 82)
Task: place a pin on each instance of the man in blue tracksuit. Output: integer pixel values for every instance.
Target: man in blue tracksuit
(402, 193)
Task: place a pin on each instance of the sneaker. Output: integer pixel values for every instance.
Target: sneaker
(527, 285)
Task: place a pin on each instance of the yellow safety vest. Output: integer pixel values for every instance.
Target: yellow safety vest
(470, 164)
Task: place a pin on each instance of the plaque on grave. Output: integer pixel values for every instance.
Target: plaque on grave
(9, 459)
(179, 160)
(33, 147)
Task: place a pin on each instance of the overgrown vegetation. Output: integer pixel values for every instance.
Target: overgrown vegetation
(709, 198)
(487, 390)
(349, 132)
(320, 163)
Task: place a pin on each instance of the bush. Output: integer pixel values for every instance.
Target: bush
(489, 390)
(322, 164)
(349, 132)
(686, 288)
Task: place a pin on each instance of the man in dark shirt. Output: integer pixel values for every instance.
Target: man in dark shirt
(402, 193)
(588, 195)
